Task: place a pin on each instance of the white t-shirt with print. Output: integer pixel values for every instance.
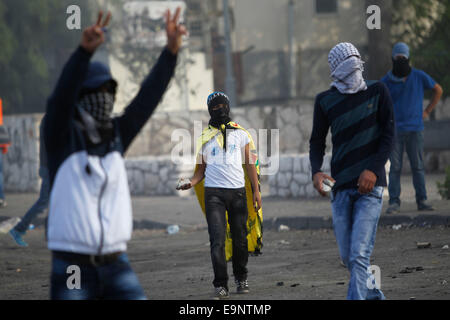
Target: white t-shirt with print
(224, 170)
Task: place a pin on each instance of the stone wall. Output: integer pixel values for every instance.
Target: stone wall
(293, 179)
(21, 163)
(148, 159)
(155, 137)
(442, 110)
(151, 176)
(293, 120)
(435, 161)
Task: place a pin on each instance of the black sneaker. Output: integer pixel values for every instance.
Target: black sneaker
(220, 293)
(423, 206)
(393, 208)
(242, 287)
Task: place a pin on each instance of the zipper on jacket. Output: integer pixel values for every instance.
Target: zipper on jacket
(102, 191)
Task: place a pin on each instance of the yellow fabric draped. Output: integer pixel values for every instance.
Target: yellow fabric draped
(255, 219)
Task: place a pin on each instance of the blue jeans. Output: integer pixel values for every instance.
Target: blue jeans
(2, 195)
(40, 205)
(115, 281)
(355, 221)
(412, 142)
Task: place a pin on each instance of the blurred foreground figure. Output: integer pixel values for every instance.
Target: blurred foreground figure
(406, 86)
(360, 116)
(5, 142)
(226, 182)
(90, 218)
(41, 203)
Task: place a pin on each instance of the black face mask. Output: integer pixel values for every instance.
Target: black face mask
(401, 67)
(219, 116)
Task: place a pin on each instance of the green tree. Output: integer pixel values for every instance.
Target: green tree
(425, 26)
(434, 54)
(35, 44)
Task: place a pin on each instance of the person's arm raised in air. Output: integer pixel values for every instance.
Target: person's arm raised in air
(153, 88)
(61, 104)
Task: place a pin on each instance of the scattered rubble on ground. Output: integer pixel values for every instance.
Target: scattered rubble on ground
(423, 245)
(283, 227)
(411, 269)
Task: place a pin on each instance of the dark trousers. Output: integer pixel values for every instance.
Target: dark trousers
(113, 281)
(234, 201)
(412, 142)
(40, 205)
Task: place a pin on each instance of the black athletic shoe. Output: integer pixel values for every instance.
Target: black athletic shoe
(423, 206)
(220, 293)
(242, 286)
(393, 208)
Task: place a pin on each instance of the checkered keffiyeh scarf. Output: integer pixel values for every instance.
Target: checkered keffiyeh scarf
(99, 105)
(346, 68)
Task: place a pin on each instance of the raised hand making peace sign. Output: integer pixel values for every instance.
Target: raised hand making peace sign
(174, 31)
(94, 36)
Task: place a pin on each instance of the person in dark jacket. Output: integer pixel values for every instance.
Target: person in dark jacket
(360, 115)
(90, 218)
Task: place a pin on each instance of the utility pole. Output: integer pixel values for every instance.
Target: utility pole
(230, 85)
(184, 57)
(379, 41)
(291, 53)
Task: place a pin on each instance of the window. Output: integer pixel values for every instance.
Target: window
(196, 28)
(326, 6)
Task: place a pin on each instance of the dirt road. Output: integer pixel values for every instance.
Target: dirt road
(294, 265)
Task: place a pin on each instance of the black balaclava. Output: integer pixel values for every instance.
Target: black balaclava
(401, 67)
(221, 115)
(220, 118)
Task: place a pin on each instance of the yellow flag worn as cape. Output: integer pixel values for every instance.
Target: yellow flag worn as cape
(255, 219)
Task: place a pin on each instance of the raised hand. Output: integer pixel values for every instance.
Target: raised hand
(174, 31)
(94, 36)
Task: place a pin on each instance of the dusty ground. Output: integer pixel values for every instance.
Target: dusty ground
(294, 265)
